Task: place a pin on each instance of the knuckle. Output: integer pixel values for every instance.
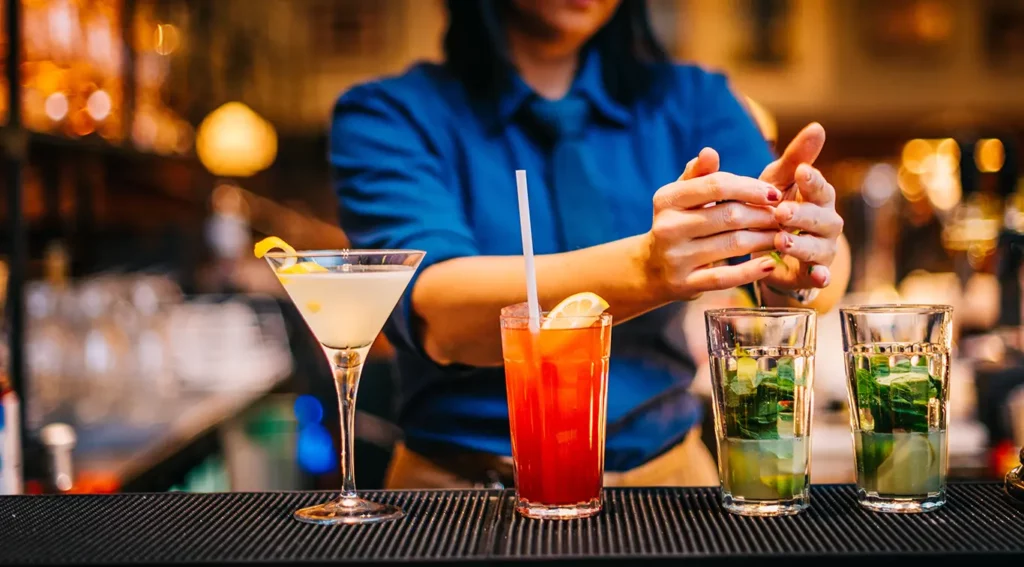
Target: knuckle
(840, 223)
(713, 184)
(662, 229)
(733, 241)
(730, 215)
(664, 197)
(741, 241)
(812, 254)
(659, 200)
(817, 180)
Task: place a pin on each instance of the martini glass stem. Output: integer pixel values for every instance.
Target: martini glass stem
(347, 367)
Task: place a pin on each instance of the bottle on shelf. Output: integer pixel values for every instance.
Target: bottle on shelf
(10, 434)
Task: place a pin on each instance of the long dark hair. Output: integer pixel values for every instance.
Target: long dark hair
(477, 52)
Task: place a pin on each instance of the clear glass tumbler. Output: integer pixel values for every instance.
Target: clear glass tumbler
(762, 370)
(897, 367)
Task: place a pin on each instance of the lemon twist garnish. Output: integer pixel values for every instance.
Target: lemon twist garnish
(576, 311)
(269, 243)
(289, 265)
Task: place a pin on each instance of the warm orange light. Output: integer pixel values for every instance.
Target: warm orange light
(99, 105)
(166, 39)
(914, 154)
(909, 184)
(949, 151)
(56, 106)
(234, 141)
(989, 155)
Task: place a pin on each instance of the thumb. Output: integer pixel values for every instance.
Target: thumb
(706, 163)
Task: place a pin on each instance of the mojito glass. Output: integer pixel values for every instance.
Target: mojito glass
(762, 369)
(897, 366)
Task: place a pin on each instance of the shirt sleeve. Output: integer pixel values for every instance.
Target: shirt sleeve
(388, 178)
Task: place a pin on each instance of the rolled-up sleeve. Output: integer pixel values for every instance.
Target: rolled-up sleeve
(390, 183)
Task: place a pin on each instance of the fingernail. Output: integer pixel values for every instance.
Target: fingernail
(774, 195)
(787, 240)
(768, 265)
(826, 273)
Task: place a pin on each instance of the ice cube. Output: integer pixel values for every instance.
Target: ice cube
(908, 401)
(899, 364)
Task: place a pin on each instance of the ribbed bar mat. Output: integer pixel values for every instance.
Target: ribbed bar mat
(235, 527)
(445, 526)
(660, 523)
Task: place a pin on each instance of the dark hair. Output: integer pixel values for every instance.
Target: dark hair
(476, 50)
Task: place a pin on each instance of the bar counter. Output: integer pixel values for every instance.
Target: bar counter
(662, 524)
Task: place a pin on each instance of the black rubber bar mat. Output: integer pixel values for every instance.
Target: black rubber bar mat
(662, 524)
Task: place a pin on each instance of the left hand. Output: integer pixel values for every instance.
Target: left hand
(812, 211)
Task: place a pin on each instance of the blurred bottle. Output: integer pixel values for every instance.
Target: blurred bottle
(107, 357)
(51, 341)
(154, 383)
(59, 440)
(10, 431)
(10, 434)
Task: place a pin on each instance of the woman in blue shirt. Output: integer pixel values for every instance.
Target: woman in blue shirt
(649, 184)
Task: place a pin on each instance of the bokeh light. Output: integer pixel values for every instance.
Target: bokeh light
(989, 155)
(315, 451)
(308, 410)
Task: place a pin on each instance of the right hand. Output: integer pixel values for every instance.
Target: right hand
(704, 218)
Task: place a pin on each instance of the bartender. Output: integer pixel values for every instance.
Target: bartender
(649, 185)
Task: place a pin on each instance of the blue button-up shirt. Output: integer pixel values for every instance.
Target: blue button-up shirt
(418, 163)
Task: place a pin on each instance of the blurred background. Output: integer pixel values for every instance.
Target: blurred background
(148, 143)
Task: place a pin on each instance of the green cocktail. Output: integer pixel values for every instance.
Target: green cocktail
(762, 395)
(899, 430)
(898, 397)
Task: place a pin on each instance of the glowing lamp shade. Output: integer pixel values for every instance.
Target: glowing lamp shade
(234, 141)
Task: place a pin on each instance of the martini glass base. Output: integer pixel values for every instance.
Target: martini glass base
(348, 510)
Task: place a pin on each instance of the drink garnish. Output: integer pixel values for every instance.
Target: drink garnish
(270, 243)
(289, 265)
(576, 311)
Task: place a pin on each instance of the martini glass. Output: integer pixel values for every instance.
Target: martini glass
(345, 296)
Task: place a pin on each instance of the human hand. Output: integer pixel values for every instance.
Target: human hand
(807, 216)
(703, 218)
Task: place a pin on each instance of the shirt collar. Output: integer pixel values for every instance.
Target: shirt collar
(589, 83)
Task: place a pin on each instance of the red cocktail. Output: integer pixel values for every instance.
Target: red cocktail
(557, 383)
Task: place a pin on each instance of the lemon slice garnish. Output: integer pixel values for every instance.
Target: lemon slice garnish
(576, 311)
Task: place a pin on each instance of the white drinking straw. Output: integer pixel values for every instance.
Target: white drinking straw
(532, 303)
